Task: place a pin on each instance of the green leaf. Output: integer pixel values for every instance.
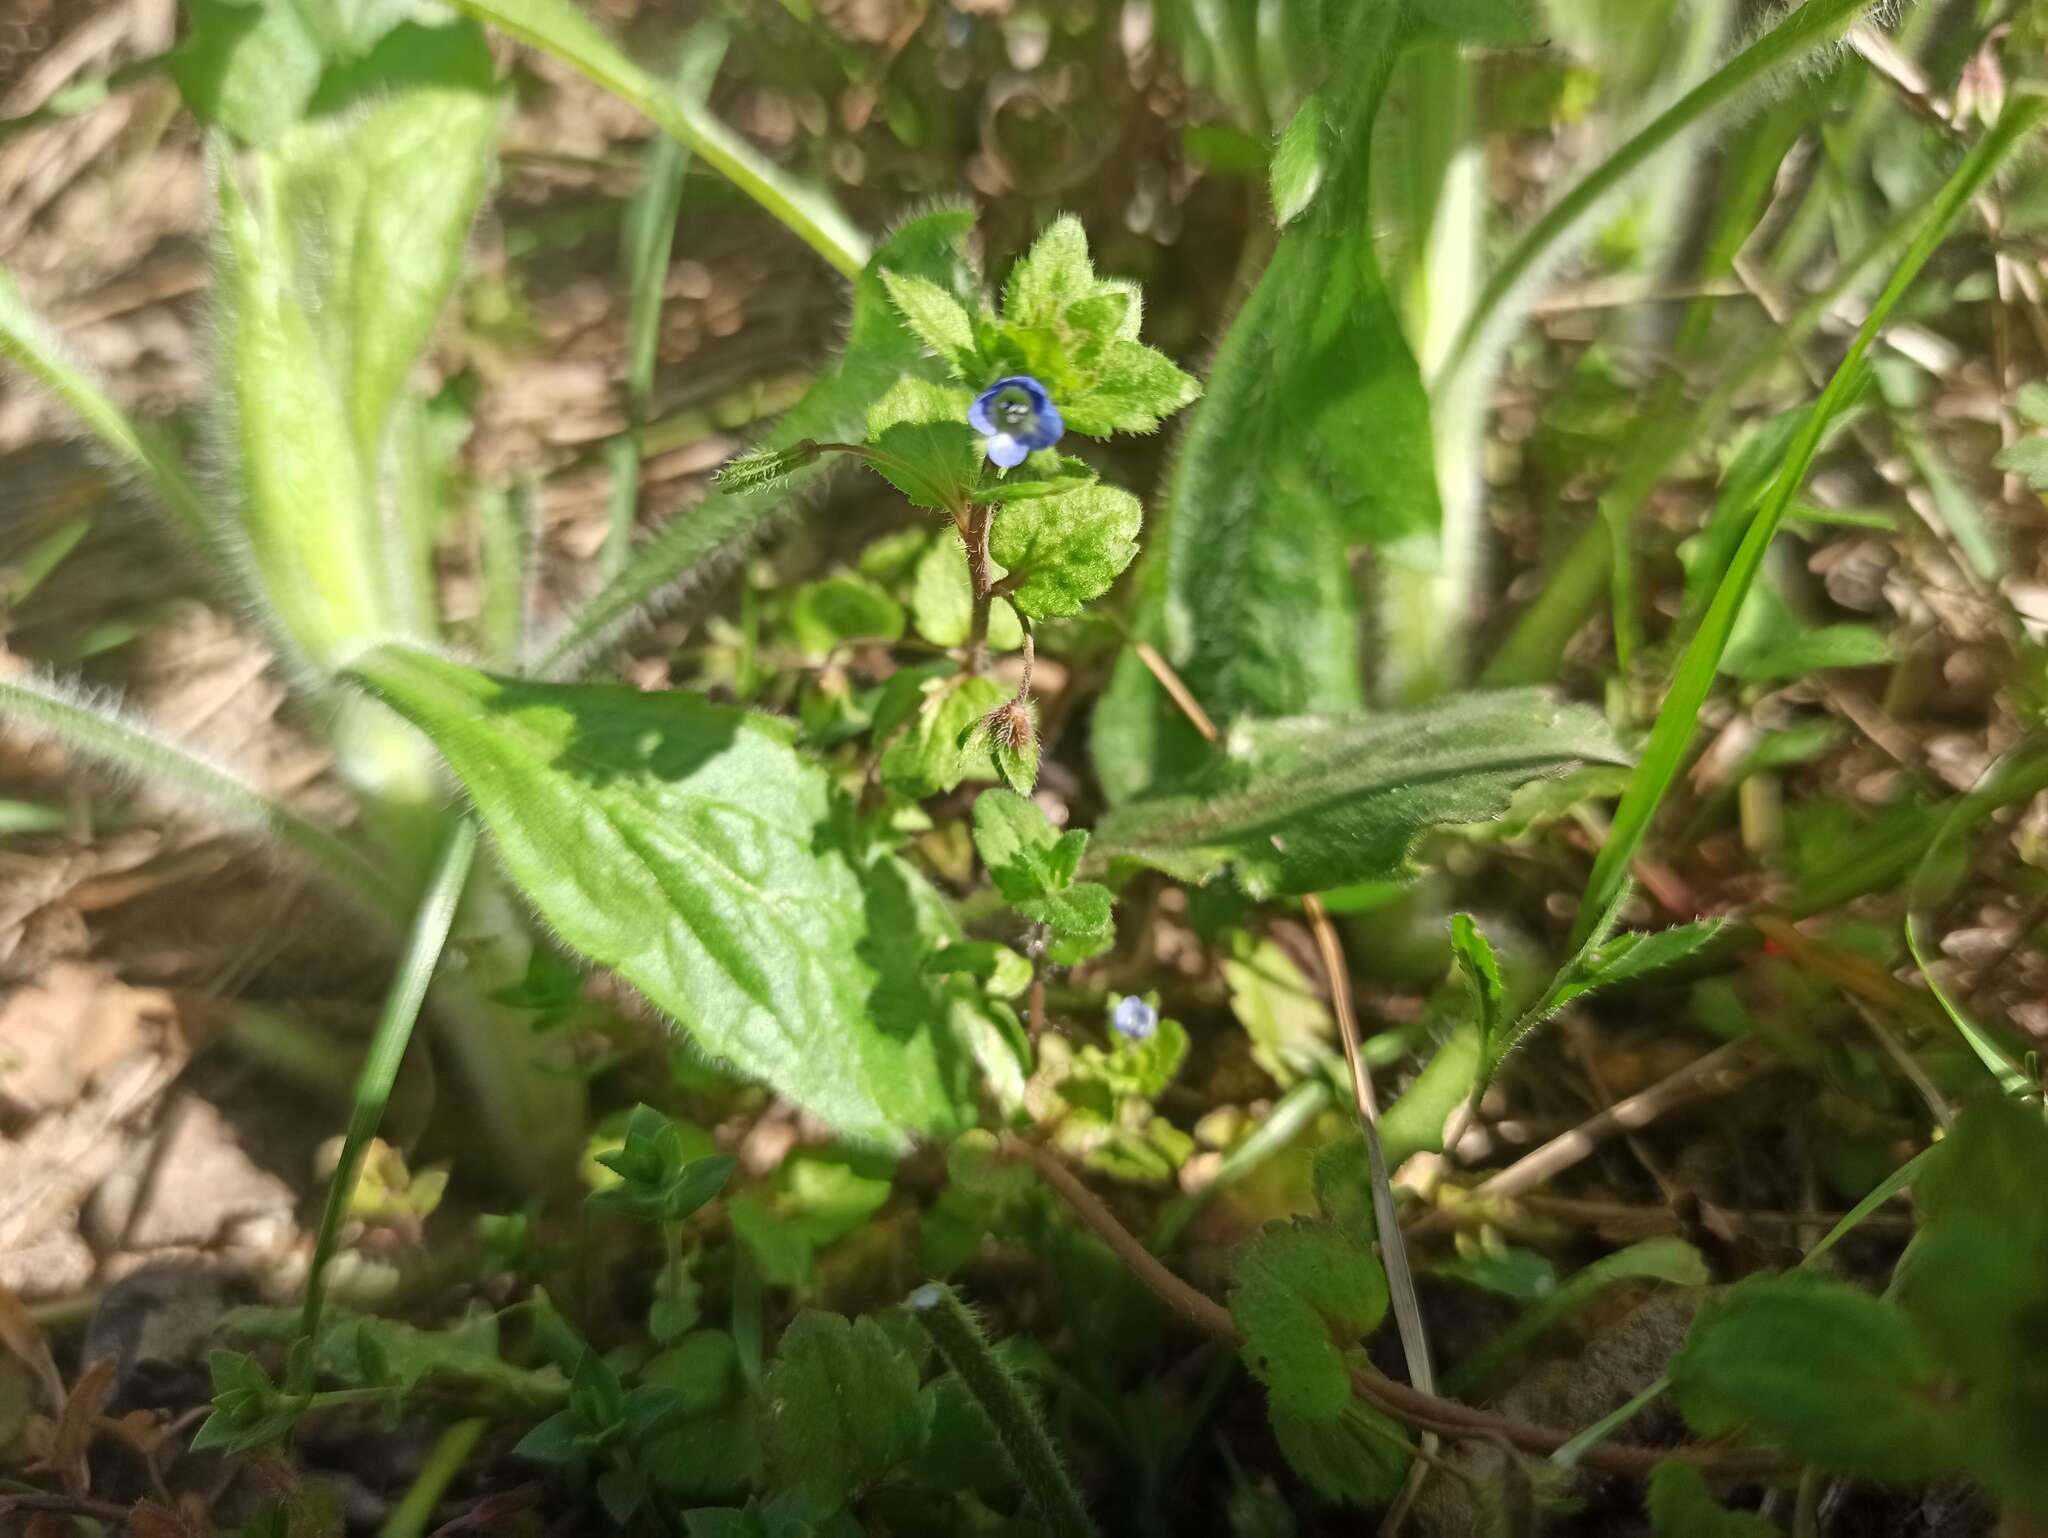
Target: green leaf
(1975, 1280)
(1499, 23)
(1358, 1458)
(1130, 388)
(691, 848)
(1664, 1260)
(1003, 972)
(1312, 436)
(1297, 169)
(940, 321)
(944, 744)
(1681, 1506)
(1415, 1122)
(842, 1408)
(250, 69)
(307, 501)
(922, 443)
(1063, 550)
(1025, 854)
(942, 599)
(880, 349)
(837, 609)
(1481, 969)
(1054, 273)
(380, 210)
(1289, 1024)
(759, 469)
(1081, 919)
(1013, 740)
(1831, 1374)
(1304, 1294)
(1306, 805)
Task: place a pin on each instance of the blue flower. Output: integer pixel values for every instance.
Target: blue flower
(1017, 417)
(1134, 1018)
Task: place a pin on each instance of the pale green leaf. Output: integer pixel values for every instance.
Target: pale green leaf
(1306, 805)
(1358, 1458)
(691, 848)
(940, 320)
(1016, 841)
(942, 600)
(1289, 1025)
(1002, 971)
(1062, 551)
(1132, 389)
(1481, 969)
(1054, 273)
(1081, 919)
(249, 69)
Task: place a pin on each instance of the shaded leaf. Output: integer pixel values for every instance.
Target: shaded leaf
(1306, 805)
(842, 1408)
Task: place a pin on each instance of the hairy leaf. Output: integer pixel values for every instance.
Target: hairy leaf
(1681, 1506)
(1830, 1373)
(1065, 549)
(691, 848)
(1304, 1294)
(842, 1408)
(1306, 805)
(1313, 436)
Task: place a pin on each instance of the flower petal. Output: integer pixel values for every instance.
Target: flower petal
(1006, 451)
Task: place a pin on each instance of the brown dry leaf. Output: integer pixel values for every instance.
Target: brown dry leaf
(75, 1427)
(20, 1334)
(58, 1035)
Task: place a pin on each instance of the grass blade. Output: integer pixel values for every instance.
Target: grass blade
(28, 342)
(422, 954)
(111, 737)
(1664, 754)
(1811, 26)
(558, 28)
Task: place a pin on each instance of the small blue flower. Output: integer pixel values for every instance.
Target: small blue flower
(1017, 417)
(1134, 1018)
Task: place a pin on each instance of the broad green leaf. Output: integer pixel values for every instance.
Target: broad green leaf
(1664, 1260)
(837, 609)
(1064, 550)
(1832, 1374)
(1303, 1294)
(941, 321)
(1415, 1122)
(1312, 437)
(1306, 805)
(1131, 388)
(842, 1408)
(921, 443)
(1357, 1458)
(879, 351)
(249, 69)
(944, 743)
(1681, 1506)
(2027, 458)
(1501, 23)
(691, 849)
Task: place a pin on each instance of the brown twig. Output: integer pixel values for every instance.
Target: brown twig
(1425, 1412)
(1719, 1071)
